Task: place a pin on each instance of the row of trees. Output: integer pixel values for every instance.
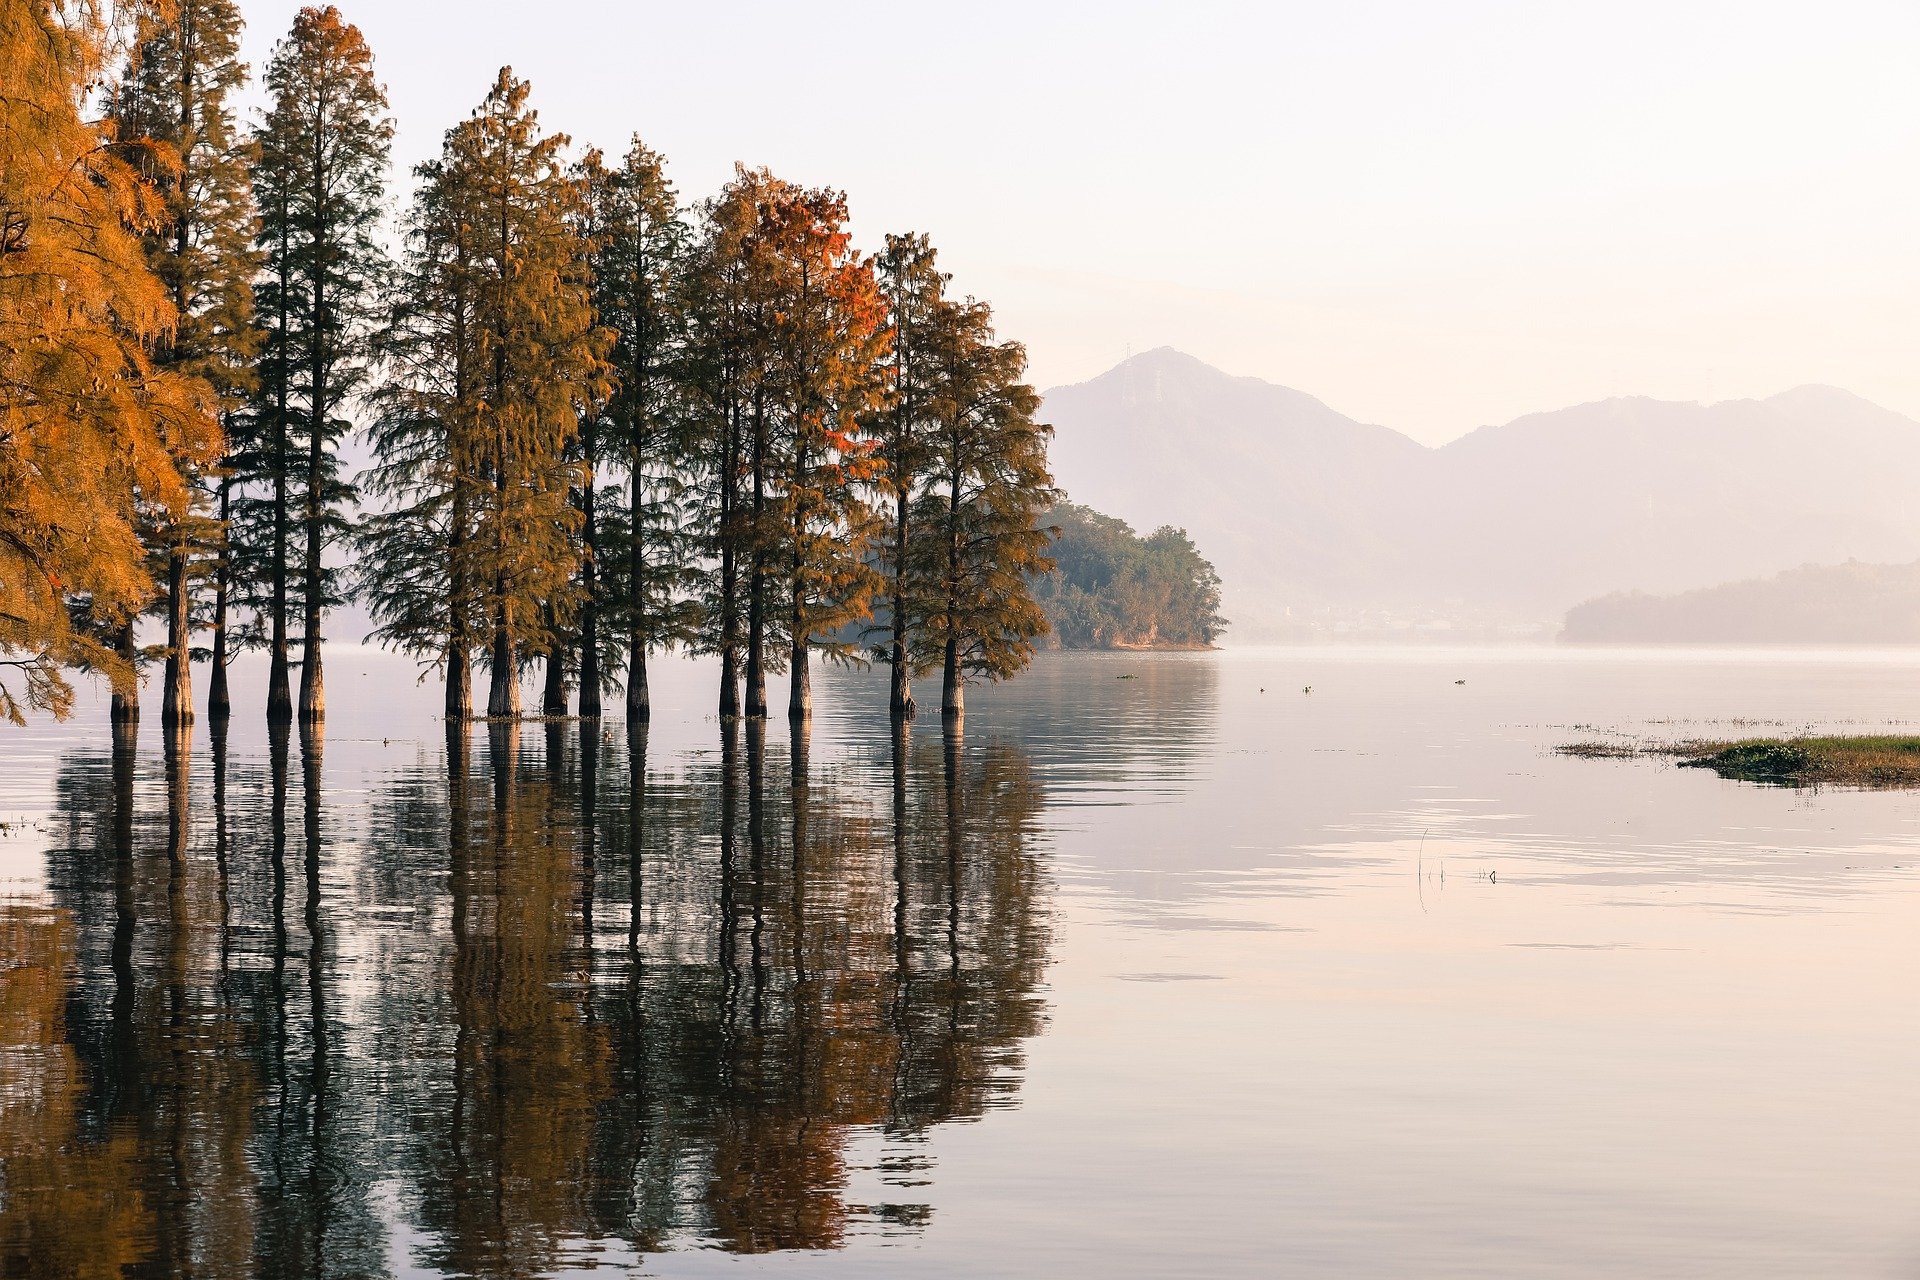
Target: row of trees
(604, 423)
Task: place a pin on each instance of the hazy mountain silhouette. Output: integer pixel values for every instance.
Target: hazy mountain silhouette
(1850, 603)
(1313, 518)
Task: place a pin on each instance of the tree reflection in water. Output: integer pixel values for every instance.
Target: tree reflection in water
(533, 1000)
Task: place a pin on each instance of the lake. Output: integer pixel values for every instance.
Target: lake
(1306, 962)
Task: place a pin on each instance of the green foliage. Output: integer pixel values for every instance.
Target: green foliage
(318, 186)
(969, 577)
(905, 431)
(495, 359)
(642, 566)
(1112, 589)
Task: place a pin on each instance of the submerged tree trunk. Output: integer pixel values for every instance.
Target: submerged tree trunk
(756, 653)
(900, 705)
(219, 701)
(459, 708)
(900, 694)
(126, 702)
(279, 693)
(459, 682)
(176, 700)
(313, 692)
(757, 578)
(313, 696)
(953, 696)
(590, 605)
(730, 570)
(800, 699)
(503, 697)
(553, 699)
(730, 683)
(639, 704)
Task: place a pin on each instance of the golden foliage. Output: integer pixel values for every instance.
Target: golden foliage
(90, 429)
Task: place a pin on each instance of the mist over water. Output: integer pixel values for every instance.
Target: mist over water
(1304, 961)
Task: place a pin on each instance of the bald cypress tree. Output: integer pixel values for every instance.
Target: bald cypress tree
(318, 186)
(785, 330)
(827, 334)
(904, 429)
(174, 118)
(92, 428)
(420, 562)
(495, 360)
(987, 484)
(723, 374)
(638, 570)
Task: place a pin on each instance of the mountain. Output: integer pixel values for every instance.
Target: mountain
(1850, 603)
(1320, 524)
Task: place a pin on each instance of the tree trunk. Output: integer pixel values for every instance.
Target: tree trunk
(730, 569)
(757, 579)
(312, 682)
(126, 702)
(553, 699)
(900, 696)
(756, 662)
(459, 682)
(953, 697)
(279, 693)
(503, 697)
(176, 700)
(590, 607)
(590, 665)
(639, 705)
(636, 830)
(313, 694)
(219, 702)
(279, 698)
(800, 700)
(729, 683)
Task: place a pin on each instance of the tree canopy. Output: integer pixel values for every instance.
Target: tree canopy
(1112, 589)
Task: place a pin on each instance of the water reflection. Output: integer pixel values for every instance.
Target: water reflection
(530, 1001)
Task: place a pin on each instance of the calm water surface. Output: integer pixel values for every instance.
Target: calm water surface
(1167, 967)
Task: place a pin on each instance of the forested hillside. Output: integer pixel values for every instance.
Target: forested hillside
(1113, 589)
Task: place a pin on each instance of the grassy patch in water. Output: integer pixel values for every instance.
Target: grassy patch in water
(1875, 760)
(1881, 760)
(1602, 750)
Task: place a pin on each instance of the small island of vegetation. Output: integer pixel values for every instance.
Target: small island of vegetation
(1870, 760)
(1110, 588)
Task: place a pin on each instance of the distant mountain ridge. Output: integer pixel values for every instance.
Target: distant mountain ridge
(1323, 525)
(1850, 603)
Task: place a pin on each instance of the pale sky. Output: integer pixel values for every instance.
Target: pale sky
(1429, 215)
